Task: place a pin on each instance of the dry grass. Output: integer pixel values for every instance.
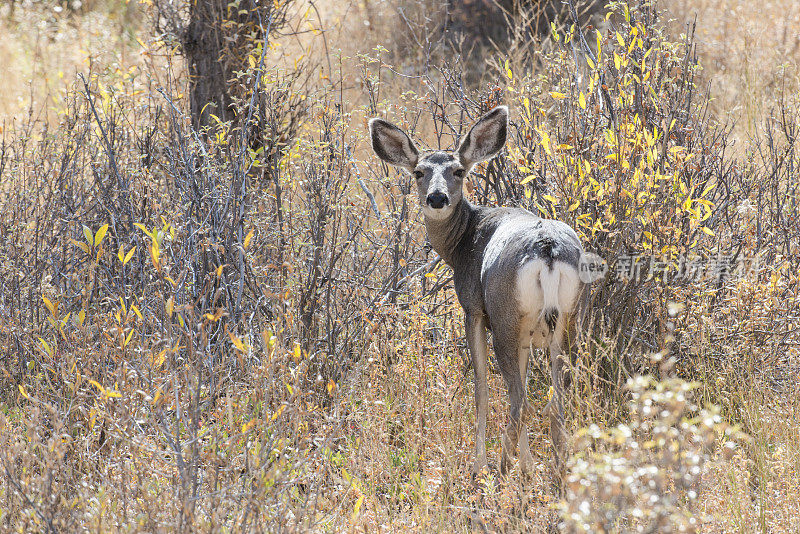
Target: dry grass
(750, 52)
(43, 50)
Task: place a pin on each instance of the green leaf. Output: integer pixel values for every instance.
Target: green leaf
(88, 235)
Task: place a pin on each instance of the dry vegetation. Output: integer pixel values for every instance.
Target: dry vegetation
(241, 328)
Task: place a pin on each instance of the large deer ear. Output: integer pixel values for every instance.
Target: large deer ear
(486, 138)
(392, 144)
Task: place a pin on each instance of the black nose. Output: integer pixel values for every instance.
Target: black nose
(437, 200)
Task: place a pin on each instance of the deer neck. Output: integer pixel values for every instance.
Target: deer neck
(449, 236)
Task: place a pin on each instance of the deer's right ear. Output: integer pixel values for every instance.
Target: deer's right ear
(392, 145)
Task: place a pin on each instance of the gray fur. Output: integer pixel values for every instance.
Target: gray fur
(503, 260)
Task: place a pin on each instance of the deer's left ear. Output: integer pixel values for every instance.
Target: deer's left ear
(486, 138)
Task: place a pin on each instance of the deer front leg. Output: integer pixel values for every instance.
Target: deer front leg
(476, 339)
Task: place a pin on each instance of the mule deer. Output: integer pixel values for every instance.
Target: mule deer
(514, 273)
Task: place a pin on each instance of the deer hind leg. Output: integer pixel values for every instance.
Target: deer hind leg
(526, 461)
(555, 407)
(508, 359)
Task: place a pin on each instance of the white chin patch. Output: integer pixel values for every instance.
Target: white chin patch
(437, 215)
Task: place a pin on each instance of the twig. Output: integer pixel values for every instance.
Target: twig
(106, 143)
(587, 50)
(367, 192)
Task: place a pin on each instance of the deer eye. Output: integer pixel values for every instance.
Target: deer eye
(458, 173)
(419, 174)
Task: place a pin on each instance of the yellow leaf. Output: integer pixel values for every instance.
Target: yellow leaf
(357, 507)
(708, 231)
(101, 233)
(545, 142)
(237, 342)
(144, 229)
(155, 254)
(582, 101)
(170, 306)
(157, 361)
(81, 316)
(135, 310)
(331, 386)
(297, 352)
(279, 411)
(128, 339)
(558, 96)
(128, 256)
(527, 179)
(50, 306)
(590, 62)
(599, 43)
(83, 246)
(22, 391)
(247, 238)
(550, 198)
(96, 384)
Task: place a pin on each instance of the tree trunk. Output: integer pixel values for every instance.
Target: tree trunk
(203, 46)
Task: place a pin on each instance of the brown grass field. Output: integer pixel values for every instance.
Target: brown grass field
(241, 329)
